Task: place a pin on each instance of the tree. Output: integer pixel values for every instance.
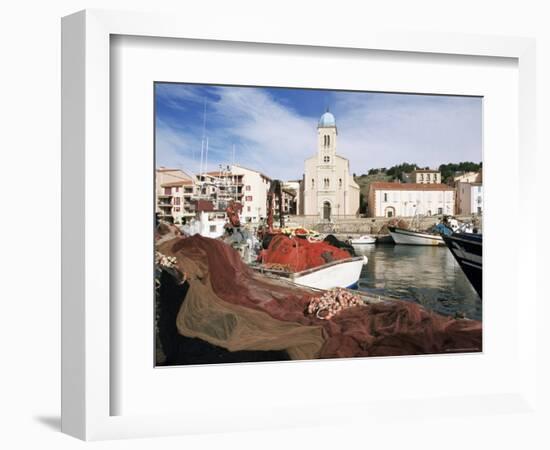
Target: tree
(448, 171)
(398, 170)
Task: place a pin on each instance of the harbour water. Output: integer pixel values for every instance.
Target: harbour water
(422, 274)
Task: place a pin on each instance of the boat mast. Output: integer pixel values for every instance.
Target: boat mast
(201, 171)
(206, 158)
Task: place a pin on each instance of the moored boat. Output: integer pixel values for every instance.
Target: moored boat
(361, 241)
(412, 237)
(322, 264)
(467, 250)
(339, 273)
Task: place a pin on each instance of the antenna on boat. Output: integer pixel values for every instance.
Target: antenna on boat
(201, 169)
(206, 157)
(200, 166)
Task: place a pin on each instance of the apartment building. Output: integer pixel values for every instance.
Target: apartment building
(174, 189)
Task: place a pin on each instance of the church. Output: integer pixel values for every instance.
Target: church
(328, 189)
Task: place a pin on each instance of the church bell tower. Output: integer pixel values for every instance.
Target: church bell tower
(326, 139)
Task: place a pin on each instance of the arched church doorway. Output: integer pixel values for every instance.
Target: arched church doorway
(326, 210)
(390, 211)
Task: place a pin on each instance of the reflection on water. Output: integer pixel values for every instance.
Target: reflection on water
(424, 274)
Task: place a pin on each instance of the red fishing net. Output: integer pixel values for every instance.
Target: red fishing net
(298, 253)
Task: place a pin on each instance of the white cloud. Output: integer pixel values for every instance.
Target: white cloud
(387, 130)
(176, 149)
(373, 131)
(273, 138)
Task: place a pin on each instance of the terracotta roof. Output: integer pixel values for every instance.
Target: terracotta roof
(388, 186)
(177, 183)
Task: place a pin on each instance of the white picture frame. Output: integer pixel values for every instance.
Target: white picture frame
(86, 245)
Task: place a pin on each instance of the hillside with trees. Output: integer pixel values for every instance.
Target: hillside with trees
(448, 171)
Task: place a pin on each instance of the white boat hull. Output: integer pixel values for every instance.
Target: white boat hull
(407, 237)
(342, 274)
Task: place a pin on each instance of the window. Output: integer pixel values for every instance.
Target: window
(248, 198)
(247, 188)
(385, 196)
(340, 183)
(248, 208)
(439, 210)
(326, 159)
(328, 141)
(326, 182)
(176, 209)
(212, 228)
(312, 183)
(176, 200)
(167, 191)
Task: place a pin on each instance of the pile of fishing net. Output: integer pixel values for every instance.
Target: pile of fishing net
(298, 253)
(333, 301)
(231, 306)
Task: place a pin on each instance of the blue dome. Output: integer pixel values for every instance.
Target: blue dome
(327, 120)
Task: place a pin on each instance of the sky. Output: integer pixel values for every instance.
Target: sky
(273, 130)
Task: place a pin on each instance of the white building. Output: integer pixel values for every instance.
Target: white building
(469, 198)
(288, 196)
(251, 189)
(423, 176)
(407, 199)
(296, 186)
(328, 189)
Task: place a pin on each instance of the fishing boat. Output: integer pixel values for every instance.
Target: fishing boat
(303, 257)
(339, 273)
(360, 242)
(467, 250)
(413, 237)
